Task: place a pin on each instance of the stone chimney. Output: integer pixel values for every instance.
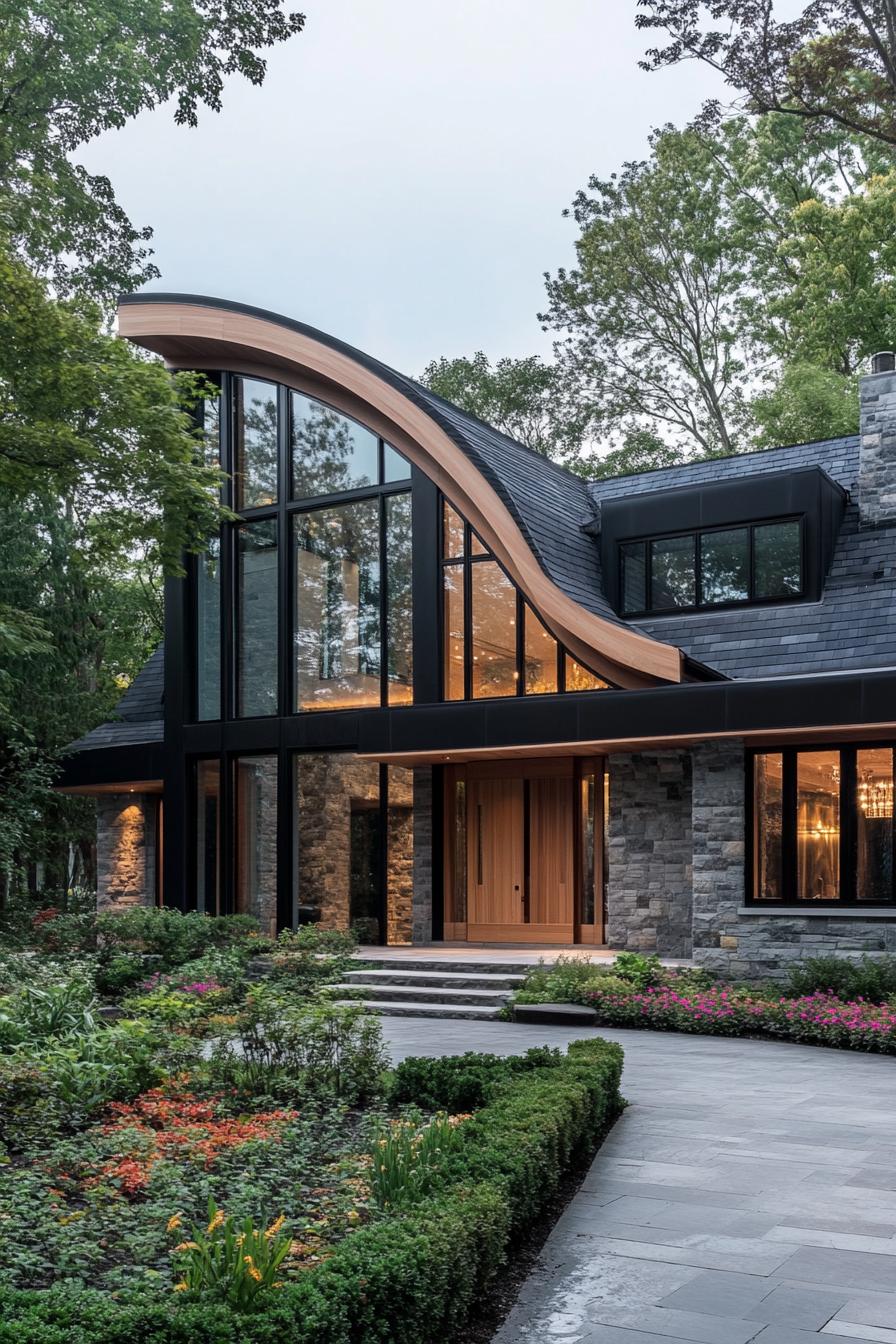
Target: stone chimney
(876, 493)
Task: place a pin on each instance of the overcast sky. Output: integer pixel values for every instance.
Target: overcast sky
(398, 179)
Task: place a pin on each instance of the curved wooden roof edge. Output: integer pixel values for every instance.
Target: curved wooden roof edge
(193, 332)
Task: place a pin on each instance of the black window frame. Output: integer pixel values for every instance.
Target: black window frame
(848, 839)
(465, 563)
(752, 600)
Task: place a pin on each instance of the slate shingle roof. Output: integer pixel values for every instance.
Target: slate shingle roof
(138, 712)
(851, 628)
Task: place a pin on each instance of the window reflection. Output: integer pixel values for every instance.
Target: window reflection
(330, 452)
(208, 837)
(453, 626)
(337, 607)
(634, 576)
(257, 618)
(255, 788)
(255, 446)
(818, 825)
(452, 533)
(672, 573)
(540, 657)
(776, 559)
(874, 824)
(494, 631)
(768, 786)
(579, 678)
(725, 566)
(395, 467)
(208, 632)
(399, 641)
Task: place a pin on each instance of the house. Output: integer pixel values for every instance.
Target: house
(436, 687)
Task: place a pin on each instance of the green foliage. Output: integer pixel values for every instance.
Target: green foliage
(641, 971)
(70, 72)
(641, 450)
(461, 1082)
(172, 937)
(406, 1158)
(36, 1013)
(292, 1051)
(230, 1259)
(870, 978)
(807, 403)
(401, 1279)
(521, 397)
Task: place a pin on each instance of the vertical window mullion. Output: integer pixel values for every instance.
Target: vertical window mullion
(520, 644)
(698, 569)
(468, 616)
(751, 565)
(384, 598)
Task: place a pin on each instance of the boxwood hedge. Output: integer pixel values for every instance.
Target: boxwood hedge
(412, 1276)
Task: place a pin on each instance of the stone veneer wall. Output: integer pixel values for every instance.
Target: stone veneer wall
(649, 853)
(423, 835)
(751, 946)
(877, 449)
(125, 850)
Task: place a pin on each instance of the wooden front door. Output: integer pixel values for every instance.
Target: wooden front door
(520, 866)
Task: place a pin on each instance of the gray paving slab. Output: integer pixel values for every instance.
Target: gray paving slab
(744, 1196)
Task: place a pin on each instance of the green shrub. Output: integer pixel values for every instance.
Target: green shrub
(173, 937)
(404, 1279)
(462, 1082)
(230, 1259)
(406, 1158)
(871, 978)
(641, 971)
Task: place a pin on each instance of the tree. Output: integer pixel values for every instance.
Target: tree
(521, 397)
(640, 451)
(805, 404)
(651, 332)
(71, 69)
(833, 64)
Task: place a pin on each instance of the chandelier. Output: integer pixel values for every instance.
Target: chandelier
(876, 797)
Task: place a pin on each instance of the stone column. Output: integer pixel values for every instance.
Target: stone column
(649, 853)
(421, 924)
(877, 446)
(125, 850)
(718, 829)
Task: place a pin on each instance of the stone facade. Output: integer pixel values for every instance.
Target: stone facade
(125, 850)
(649, 853)
(423, 836)
(877, 450)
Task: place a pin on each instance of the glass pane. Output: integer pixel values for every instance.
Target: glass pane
(336, 821)
(208, 837)
(818, 825)
(399, 854)
(255, 784)
(399, 641)
(494, 631)
(634, 576)
(540, 657)
(874, 824)
(208, 632)
(453, 626)
(673, 579)
(330, 452)
(452, 534)
(725, 566)
(255, 448)
(211, 428)
(587, 805)
(776, 559)
(768, 783)
(579, 678)
(257, 633)
(337, 607)
(395, 467)
(476, 546)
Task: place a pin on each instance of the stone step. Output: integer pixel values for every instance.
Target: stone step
(468, 966)
(436, 979)
(424, 994)
(384, 1008)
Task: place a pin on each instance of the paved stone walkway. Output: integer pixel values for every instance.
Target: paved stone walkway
(747, 1194)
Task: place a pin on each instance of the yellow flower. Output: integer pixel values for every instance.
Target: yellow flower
(174, 1222)
(187, 1246)
(254, 1274)
(247, 1259)
(353, 1216)
(216, 1221)
(181, 1287)
(275, 1226)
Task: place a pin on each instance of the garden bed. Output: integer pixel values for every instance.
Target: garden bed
(843, 1004)
(231, 1159)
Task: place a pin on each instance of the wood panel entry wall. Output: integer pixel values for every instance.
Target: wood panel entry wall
(523, 851)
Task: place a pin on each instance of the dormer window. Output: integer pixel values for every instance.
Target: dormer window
(758, 562)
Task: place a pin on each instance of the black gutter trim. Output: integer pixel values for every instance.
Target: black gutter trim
(112, 765)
